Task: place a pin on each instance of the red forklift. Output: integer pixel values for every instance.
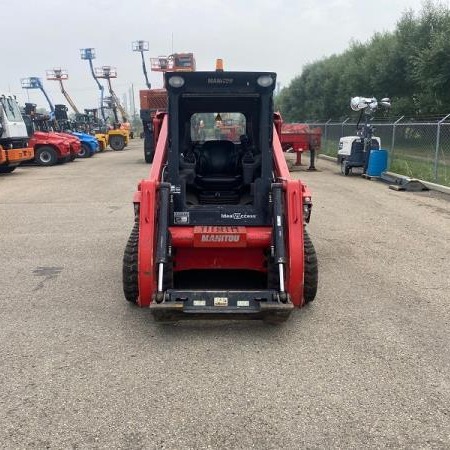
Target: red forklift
(50, 147)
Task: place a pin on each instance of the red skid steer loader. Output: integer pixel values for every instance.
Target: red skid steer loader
(219, 229)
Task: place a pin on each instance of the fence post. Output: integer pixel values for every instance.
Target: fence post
(393, 133)
(438, 142)
(325, 131)
(342, 125)
(391, 153)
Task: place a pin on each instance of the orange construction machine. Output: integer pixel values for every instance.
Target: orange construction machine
(154, 101)
(13, 136)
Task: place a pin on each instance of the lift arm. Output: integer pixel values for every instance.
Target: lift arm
(101, 88)
(50, 104)
(102, 91)
(116, 104)
(144, 68)
(89, 54)
(36, 83)
(141, 47)
(68, 98)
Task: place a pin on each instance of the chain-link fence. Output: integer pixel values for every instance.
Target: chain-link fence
(416, 149)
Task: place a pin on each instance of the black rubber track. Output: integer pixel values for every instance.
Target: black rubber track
(311, 269)
(149, 151)
(149, 157)
(130, 266)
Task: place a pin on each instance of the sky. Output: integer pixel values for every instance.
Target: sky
(272, 35)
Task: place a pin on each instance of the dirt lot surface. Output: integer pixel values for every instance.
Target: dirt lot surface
(365, 366)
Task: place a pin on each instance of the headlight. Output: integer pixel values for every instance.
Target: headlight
(265, 80)
(176, 82)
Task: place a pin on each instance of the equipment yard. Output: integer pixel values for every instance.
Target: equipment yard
(366, 365)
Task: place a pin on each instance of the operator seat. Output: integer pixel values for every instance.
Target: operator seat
(217, 158)
(218, 167)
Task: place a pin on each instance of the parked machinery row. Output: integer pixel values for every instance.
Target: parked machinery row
(27, 135)
(55, 137)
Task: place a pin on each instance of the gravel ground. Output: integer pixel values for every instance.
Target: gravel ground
(364, 366)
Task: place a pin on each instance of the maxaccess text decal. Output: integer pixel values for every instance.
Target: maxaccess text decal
(237, 216)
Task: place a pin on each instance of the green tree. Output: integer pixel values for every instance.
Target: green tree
(411, 65)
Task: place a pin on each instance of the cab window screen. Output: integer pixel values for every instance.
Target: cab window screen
(217, 126)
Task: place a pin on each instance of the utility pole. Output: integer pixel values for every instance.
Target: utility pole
(132, 101)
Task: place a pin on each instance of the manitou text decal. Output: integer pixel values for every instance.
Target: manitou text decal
(230, 236)
(220, 238)
(221, 81)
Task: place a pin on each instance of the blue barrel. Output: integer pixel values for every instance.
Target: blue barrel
(378, 161)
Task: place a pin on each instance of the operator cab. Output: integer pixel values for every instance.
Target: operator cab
(13, 132)
(220, 151)
(218, 167)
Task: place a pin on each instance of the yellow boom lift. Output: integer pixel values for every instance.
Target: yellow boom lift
(117, 138)
(108, 73)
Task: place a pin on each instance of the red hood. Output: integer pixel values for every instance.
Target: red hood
(49, 137)
(42, 138)
(70, 137)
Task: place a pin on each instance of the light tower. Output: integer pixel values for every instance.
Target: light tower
(141, 47)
